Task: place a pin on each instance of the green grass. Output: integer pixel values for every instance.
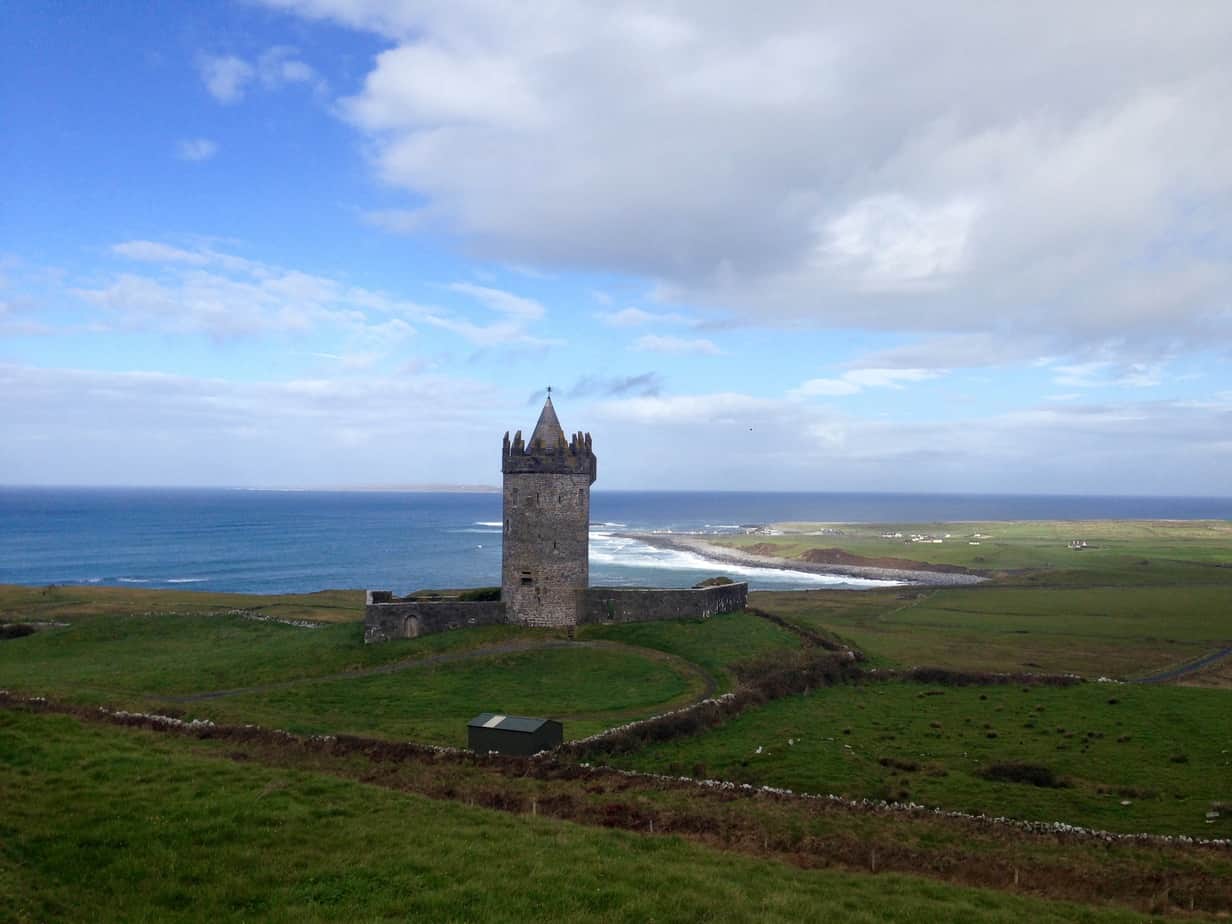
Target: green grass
(132, 659)
(68, 602)
(102, 825)
(1114, 631)
(590, 689)
(1116, 548)
(1164, 749)
(715, 643)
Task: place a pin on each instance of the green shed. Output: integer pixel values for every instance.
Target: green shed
(516, 735)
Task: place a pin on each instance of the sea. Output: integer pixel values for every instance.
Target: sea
(265, 541)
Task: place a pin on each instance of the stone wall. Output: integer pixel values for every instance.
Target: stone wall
(388, 617)
(638, 604)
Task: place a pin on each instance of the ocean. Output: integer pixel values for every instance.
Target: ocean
(300, 541)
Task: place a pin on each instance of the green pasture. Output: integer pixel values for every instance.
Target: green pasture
(1120, 632)
(101, 824)
(715, 643)
(65, 603)
(588, 688)
(127, 659)
(1166, 751)
(1125, 551)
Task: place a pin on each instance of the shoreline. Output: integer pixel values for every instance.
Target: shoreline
(717, 553)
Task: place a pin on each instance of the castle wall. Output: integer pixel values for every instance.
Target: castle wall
(636, 604)
(388, 617)
(545, 559)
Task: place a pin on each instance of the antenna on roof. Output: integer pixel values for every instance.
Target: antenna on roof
(549, 391)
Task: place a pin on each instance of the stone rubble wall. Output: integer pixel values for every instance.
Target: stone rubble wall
(387, 617)
(638, 604)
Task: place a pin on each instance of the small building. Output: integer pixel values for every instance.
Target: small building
(517, 735)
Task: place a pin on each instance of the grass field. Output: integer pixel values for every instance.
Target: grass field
(715, 644)
(1113, 631)
(136, 659)
(291, 838)
(1166, 751)
(156, 661)
(155, 833)
(67, 602)
(1115, 548)
(589, 689)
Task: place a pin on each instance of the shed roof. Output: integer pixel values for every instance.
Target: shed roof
(511, 723)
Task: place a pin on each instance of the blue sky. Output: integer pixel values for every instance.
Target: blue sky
(870, 247)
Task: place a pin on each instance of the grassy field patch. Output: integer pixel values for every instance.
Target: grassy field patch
(1119, 632)
(134, 659)
(715, 643)
(153, 833)
(590, 689)
(1164, 751)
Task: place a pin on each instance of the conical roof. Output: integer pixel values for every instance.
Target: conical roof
(548, 431)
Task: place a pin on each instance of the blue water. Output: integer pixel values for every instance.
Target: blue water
(281, 542)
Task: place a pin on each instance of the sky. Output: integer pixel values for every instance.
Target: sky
(853, 246)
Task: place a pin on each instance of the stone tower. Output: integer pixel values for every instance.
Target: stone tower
(545, 553)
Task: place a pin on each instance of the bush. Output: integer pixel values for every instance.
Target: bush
(480, 595)
(713, 582)
(1031, 774)
(15, 630)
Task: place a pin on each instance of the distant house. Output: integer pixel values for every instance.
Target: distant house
(1077, 544)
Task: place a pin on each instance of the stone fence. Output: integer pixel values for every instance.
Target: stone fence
(643, 604)
(388, 617)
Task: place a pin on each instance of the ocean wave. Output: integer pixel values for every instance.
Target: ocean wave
(496, 523)
(471, 529)
(186, 580)
(625, 552)
(133, 580)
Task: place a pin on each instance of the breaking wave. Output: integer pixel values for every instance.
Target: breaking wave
(611, 551)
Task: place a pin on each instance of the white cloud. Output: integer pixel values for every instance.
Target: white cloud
(733, 439)
(228, 77)
(856, 380)
(196, 149)
(636, 317)
(225, 76)
(204, 291)
(775, 164)
(1109, 374)
(654, 343)
(515, 306)
(209, 431)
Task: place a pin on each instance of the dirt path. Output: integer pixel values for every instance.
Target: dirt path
(1175, 673)
(688, 668)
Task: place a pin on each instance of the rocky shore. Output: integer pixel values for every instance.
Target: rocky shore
(699, 545)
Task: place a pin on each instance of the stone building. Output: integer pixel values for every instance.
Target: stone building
(545, 552)
(545, 559)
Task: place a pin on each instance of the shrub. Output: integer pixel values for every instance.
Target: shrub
(1031, 774)
(718, 581)
(15, 630)
(480, 595)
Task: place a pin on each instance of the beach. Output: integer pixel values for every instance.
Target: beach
(699, 545)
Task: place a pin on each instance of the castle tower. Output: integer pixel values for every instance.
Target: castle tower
(545, 553)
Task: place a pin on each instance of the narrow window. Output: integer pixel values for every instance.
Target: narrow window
(581, 494)
(527, 580)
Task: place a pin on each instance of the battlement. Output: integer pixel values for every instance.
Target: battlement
(555, 458)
